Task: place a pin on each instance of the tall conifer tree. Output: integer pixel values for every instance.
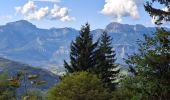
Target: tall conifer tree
(106, 67)
(82, 55)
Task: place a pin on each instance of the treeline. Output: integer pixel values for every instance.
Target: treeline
(16, 86)
(148, 78)
(92, 73)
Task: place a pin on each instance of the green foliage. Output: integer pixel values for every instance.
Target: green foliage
(151, 68)
(6, 91)
(82, 55)
(85, 56)
(34, 94)
(21, 79)
(159, 14)
(79, 86)
(132, 88)
(106, 67)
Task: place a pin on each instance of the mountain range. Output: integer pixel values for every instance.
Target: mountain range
(47, 48)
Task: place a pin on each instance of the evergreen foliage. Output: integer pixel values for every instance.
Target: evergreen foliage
(82, 55)
(88, 56)
(159, 14)
(106, 67)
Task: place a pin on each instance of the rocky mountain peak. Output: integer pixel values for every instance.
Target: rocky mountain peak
(21, 23)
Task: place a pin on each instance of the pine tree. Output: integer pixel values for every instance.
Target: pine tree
(82, 55)
(106, 67)
(158, 14)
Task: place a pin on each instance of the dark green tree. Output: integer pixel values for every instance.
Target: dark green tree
(157, 13)
(106, 68)
(151, 67)
(82, 55)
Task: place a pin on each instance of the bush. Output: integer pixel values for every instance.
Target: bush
(6, 91)
(79, 86)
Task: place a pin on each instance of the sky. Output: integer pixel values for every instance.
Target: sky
(74, 13)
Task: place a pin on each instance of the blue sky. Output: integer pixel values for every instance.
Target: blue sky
(74, 13)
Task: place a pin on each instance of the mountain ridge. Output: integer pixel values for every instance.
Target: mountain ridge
(22, 41)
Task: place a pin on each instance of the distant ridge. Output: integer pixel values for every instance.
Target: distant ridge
(12, 67)
(47, 48)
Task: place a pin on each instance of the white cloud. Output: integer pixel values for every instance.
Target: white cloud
(54, 1)
(155, 18)
(41, 13)
(67, 18)
(58, 12)
(31, 12)
(164, 23)
(121, 8)
(27, 8)
(166, 9)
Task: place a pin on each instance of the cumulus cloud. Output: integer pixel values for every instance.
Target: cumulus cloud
(67, 18)
(39, 14)
(61, 13)
(58, 12)
(32, 12)
(27, 8)
(121, 8)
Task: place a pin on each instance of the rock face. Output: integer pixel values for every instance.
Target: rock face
(24, 42)
(21, 41)
(125, 37)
